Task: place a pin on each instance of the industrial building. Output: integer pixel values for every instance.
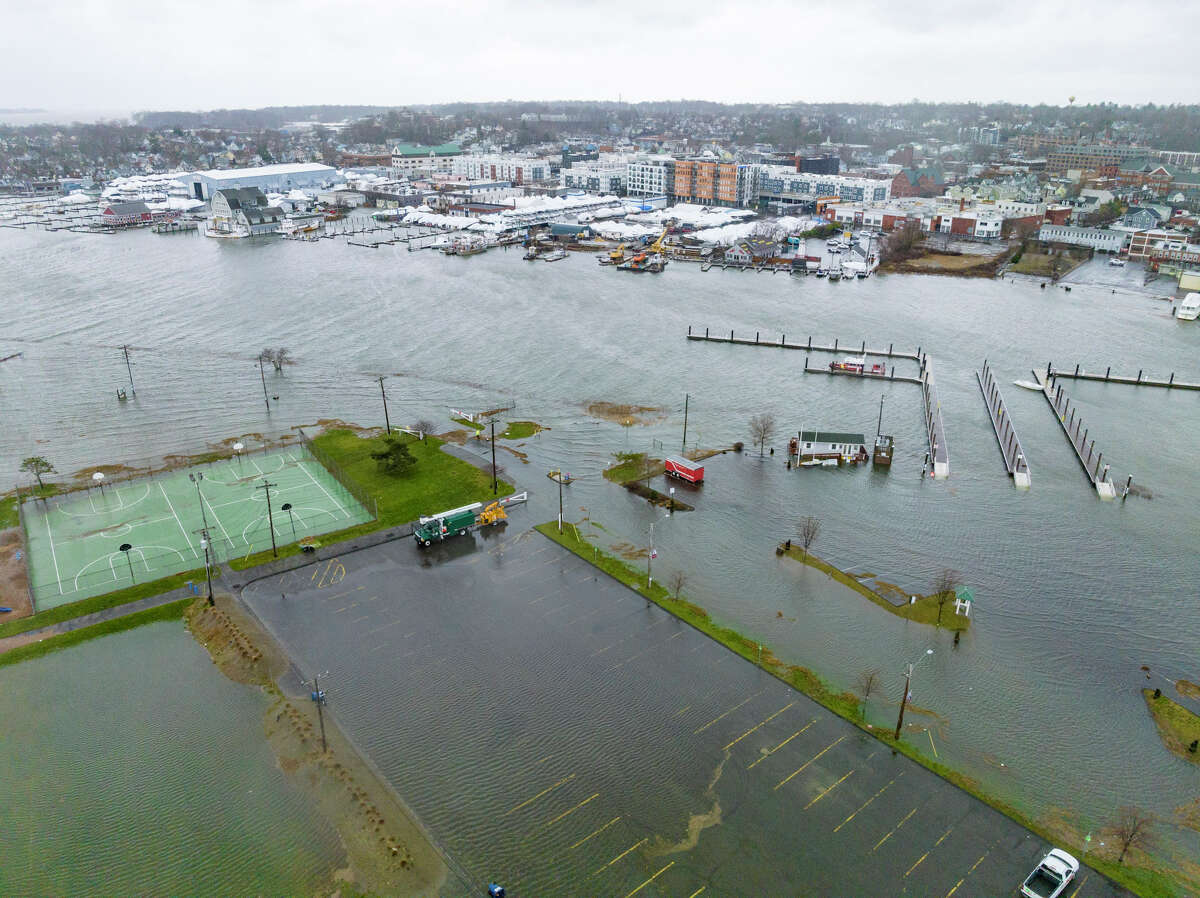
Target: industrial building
(267, 178)
(1096, 238)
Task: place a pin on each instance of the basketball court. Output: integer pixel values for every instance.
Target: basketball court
(90, 542)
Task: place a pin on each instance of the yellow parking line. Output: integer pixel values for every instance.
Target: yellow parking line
(543, 760)
(357, 619)
(827, 791)
(969, 872)
(572, 811)
(651, 879)
(943, 838)
(893, 832)
(865, 803)
(759, 726)
(727, 713)
(1080, 886)
(783, 743)
(697, 892)
(929, 733)
(565, 779)
(595, 833)
(681, 710)
(917, 864)
(632, 847)
(788, 778)
(340, 610)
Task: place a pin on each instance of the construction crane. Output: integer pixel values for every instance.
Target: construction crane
(657, 245)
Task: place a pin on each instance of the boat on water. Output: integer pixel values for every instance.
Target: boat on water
(821, 272)
(1189, 309)
(835, 275)
(653, 262)
(531, 254)
(301, 223)
(554, 255)
(465, 245)
(1028, 385)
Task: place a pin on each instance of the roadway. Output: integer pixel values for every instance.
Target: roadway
(560, 735)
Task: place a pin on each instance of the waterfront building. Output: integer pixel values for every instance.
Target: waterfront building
(242, 212)
(650, 176)
(780, 185)
(411, 157)
(713, 183)
(1097, 238)
(596, 177)
(282, 178)
(503, 167)
(124, 215)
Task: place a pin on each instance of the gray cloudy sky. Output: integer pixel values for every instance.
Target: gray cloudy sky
(166, 54)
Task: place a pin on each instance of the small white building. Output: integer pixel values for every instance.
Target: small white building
(1097, 238)
(596, 177)
(242, 212)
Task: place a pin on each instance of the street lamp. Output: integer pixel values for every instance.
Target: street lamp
(196, 478)
(207, 567)
(907, 682)
(125, 547)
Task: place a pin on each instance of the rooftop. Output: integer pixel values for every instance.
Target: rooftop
(285, 168)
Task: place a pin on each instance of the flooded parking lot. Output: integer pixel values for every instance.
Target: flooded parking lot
(560, 735)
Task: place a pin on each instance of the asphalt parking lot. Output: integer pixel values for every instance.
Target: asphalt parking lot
(559, 735)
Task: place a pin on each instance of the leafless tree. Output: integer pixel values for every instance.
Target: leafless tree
(277, 357)
(677, 582)
(810, 529)
(424, 427)
(945, 588)
(1132, 828)
(762, 428)
(903, 242)
(868, 681)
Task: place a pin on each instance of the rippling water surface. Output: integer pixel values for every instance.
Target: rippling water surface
(131, 766)
(1040, 699)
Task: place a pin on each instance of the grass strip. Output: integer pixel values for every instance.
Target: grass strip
(436, 482)
(92, 604)
(8, 513)
(1177, 726)
(520, 430)
(465, 423)
(169, 611)
(1139, 880)
(923, 611)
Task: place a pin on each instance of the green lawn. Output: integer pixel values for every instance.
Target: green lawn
(437, 482)
(629, 467)
(520, 430)
(465, 423)
(1042, 264)
(923, 611)
(169, 611)
(1176, 724)
(8, 513)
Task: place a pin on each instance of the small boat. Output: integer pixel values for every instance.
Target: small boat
(835, 275)
(555, 255)
(559, 477)
(811, 463)
(1028, 385)
(531, 254)
(1189, 309)
(821, 272)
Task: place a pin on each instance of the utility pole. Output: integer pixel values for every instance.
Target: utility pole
(879, 426)
(686, 397)
(196, 477)
(495, 489)
(266, 485)
(262, 374)
(129, 368)
(560, 513)
(387, 423)
(650, 557)
(904, 698)
(204, 542)
(319, 697)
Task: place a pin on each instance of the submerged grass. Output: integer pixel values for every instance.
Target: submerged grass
(170, 611)
(1177, 726)
(923, 611)
(1140, 880)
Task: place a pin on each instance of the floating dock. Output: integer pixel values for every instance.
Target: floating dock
(1006, 434)
(935, 431)
(1109, 378)
(869, 375)
(891, 352)
(1077, 435)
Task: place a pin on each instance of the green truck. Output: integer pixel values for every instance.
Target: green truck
(455, 522)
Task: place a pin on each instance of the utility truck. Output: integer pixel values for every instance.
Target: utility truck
(434, 528)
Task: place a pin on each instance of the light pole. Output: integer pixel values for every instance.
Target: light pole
(196, 478)
(287, 506)
(207, 566)
(907, 682)
(319, 697)
(560, 512)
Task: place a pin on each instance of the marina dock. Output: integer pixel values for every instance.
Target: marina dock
(935, 430)
(903, 378)
(1140, 380)
(1091, 460)
(891, 352)
(1006, 434)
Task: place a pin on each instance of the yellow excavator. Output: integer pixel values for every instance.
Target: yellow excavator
(617, 255)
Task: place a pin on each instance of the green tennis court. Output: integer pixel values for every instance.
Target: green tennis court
(75, 540)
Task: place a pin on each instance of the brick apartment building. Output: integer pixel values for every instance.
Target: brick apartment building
(919, 182)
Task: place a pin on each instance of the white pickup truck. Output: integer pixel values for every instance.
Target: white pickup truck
(1052, 875)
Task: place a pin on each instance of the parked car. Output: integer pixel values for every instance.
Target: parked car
(1052, 876)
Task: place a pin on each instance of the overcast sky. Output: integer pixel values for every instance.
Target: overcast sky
(167, 54)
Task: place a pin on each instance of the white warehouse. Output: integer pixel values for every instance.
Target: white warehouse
(280, 178)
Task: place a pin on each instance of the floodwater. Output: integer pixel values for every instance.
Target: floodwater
(1040, 700)
(131, 766)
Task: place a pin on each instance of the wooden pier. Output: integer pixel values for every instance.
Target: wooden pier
(1006, 434)
(175, 227)
(1077, 435)
(1140, 380)
(891, 352)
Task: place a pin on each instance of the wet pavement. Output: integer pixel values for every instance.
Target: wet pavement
(560, 735)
